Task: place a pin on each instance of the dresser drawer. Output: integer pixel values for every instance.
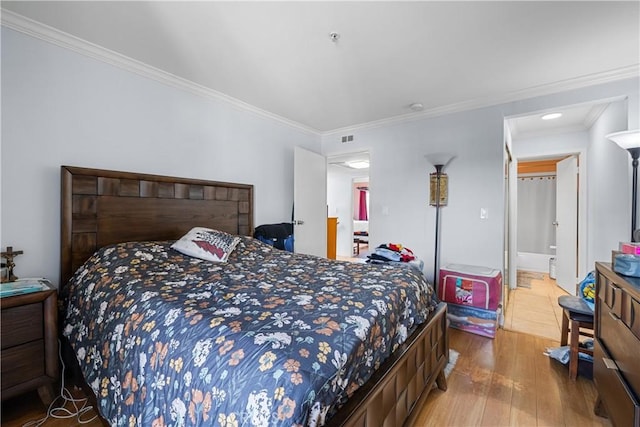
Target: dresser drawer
(621, 404)
(610, 295)
(621, 345)
(631, 315)
(22, 363)
(21, 324)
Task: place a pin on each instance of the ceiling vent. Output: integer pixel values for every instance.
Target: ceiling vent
(347, 138)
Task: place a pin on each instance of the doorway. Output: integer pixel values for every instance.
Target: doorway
(533, 304)
(349, 199)
(533, 141)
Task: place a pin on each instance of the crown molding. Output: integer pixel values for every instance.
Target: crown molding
(54, 36)
(632, 71)
(594, 114)
(59, 38)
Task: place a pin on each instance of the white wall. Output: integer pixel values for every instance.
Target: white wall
(550, 145)
(399, 174)
(59, 107)
(62, 108)
(609, 186)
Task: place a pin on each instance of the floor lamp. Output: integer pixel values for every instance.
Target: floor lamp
(630, 141)
(438, 196)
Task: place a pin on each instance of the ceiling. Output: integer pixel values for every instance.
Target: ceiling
(573, 119)
(278, 57)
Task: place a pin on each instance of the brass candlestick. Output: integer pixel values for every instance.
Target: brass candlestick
(9, 255)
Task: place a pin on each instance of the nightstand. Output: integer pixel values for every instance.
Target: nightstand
(29, 341)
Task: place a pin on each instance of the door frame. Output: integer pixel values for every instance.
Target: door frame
(581, 154)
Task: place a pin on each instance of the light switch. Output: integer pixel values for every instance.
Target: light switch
(484, 213)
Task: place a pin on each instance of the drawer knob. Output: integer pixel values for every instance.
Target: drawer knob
(610, 364)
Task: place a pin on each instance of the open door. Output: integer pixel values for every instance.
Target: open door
(567, 224)
(309, 203)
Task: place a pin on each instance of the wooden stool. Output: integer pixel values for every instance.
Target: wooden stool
(576, 315)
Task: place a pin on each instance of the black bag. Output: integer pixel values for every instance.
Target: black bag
(277, 235)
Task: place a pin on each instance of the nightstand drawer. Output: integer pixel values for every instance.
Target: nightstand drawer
(21, 325)
(22, 363)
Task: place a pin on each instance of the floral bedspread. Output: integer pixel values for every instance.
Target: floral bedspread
(268, 338)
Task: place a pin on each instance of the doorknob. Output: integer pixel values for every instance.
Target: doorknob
(298, 222)
(555, 223)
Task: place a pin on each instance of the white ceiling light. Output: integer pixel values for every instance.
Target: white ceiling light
(358, 164)
(416, 106)
(551, 116)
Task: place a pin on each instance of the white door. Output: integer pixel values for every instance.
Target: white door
(309, 203)
(567, 224)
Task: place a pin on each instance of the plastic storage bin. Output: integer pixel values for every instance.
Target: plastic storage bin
(474, 297)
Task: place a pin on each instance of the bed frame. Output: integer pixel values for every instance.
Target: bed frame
(101, 207)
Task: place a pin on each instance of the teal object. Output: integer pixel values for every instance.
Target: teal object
(627, 265)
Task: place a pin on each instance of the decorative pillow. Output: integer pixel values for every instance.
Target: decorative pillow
(207, 244)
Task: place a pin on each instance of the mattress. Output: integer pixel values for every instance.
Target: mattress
(267, 338)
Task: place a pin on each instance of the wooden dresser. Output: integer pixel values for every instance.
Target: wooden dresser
(616, 365)
(29, 357)
(332, 236)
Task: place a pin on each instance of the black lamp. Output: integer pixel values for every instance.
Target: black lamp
(630, 141)
(438, 197)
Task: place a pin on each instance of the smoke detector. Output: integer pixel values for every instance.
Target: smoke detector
(416, 106)
(334, 36)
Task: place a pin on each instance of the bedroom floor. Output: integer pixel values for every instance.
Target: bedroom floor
(533, 308)
(508, 381)
(28, 408)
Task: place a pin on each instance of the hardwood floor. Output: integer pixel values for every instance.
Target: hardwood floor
(27, 409)
(535, 310)
(508, 381)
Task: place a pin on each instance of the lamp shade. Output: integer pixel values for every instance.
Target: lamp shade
(439, 159)
(626, 139)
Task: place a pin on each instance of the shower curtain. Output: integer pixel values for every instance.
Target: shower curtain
(536, 214)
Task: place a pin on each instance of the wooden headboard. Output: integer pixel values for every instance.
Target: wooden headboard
(101, 207)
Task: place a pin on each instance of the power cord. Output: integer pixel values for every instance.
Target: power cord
(61, 412)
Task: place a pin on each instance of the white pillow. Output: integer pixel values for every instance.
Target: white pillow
(207, 244)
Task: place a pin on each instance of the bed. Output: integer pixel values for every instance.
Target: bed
(360, 234)
(266, 338)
